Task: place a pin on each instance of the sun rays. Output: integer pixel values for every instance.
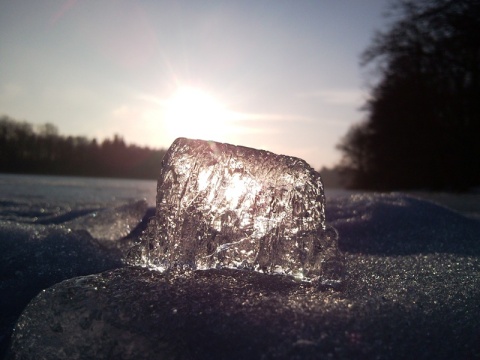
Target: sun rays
(195, 113)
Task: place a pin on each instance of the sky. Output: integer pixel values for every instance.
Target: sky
(283, 76)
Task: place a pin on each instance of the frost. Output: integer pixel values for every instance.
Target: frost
(225, 206)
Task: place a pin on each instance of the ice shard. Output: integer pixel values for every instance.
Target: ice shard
(220, 205)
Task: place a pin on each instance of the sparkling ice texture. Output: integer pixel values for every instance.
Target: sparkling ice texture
(226, 206)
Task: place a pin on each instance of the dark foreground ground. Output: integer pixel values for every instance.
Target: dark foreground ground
(412, 291)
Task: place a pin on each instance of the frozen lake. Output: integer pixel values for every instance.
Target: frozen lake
(413, 281)
(76, 190)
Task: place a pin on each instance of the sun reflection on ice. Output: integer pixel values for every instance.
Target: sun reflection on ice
(236, 190)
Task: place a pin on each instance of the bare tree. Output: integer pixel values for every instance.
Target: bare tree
(423, 117)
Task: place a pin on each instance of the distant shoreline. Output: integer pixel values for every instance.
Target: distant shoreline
(34, 150)
(77, 175)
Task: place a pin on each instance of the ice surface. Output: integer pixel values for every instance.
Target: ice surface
(34, 257)
(43, 243)
(107, 225)
(422, 306)
(225, 206)
(397, 224)
(413, 290)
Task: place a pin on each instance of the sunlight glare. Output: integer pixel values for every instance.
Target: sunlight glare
(194, 113)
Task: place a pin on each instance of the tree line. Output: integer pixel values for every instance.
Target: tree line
(41, 150)
(422, 123)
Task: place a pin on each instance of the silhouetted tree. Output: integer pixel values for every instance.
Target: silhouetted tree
(332, 178)
(423, 117)
(42, 150)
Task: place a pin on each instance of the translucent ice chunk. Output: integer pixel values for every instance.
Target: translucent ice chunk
(220, 205)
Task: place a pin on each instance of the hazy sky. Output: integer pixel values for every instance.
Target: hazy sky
(277, 75)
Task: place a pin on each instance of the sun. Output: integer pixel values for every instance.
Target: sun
(194, 113)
